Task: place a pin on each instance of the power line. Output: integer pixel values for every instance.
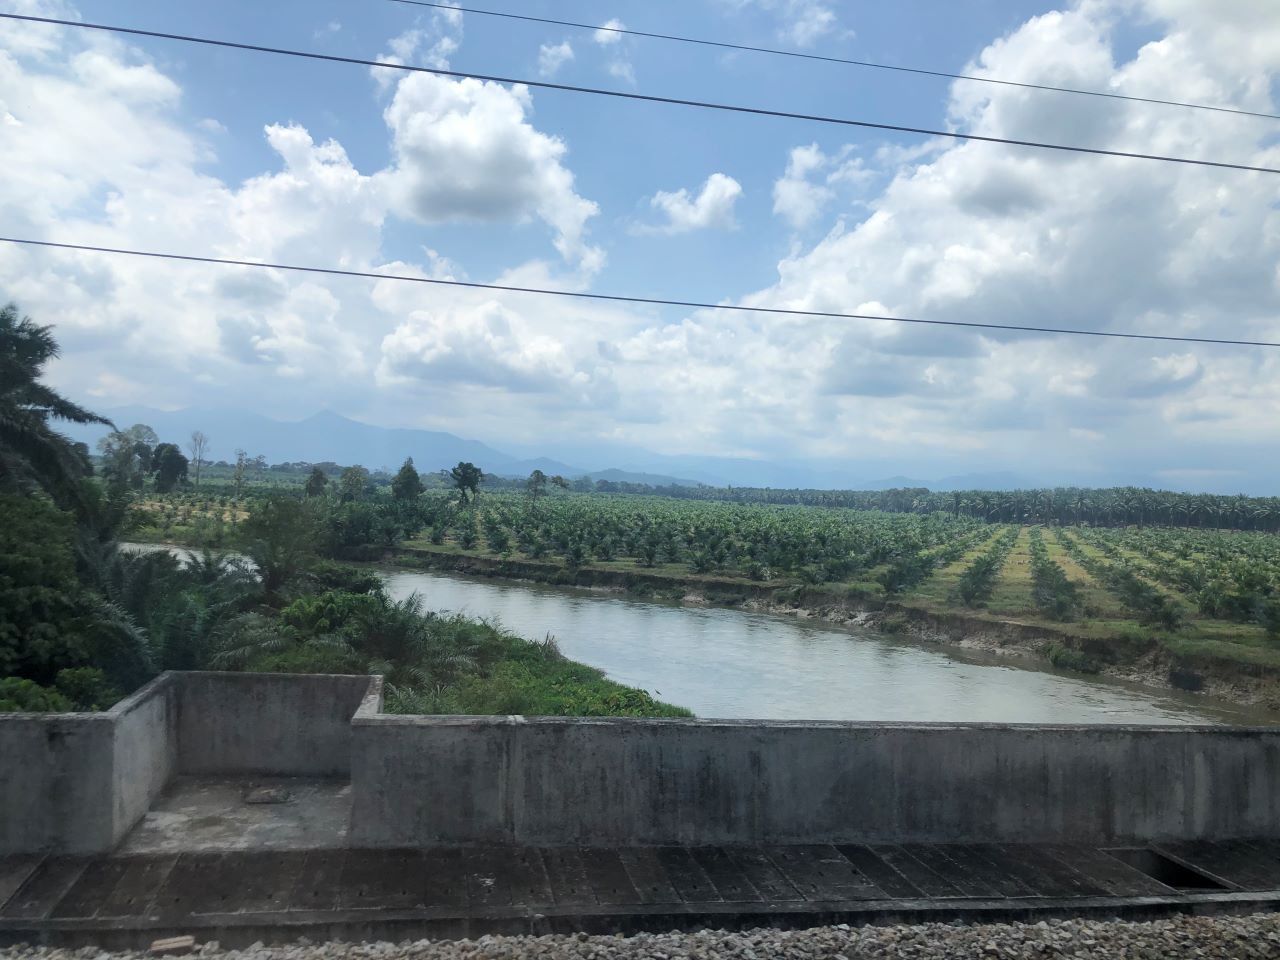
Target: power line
(643, 97)
(724, 45)
(618, 298)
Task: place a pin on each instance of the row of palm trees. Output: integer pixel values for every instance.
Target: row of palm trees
(1111, 506)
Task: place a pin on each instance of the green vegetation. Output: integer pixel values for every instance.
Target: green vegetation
(1108, 595)
(83, 621)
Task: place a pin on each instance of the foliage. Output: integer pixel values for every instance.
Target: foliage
(281, 536)
(39, 592)
(18, 694)
(169, 466)
(316, 483)
(979, 578)
(1053, 593)
(1069, 658)
(86, 688)
(407, 485)
(466, 478)
(34, 456)
(353, 484)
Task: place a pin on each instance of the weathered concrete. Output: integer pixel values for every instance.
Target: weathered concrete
(77, 782)
(144, 751)
(271, 723)
(419, 780)
(198, 814)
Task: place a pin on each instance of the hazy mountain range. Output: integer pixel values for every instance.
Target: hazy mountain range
(328, 436)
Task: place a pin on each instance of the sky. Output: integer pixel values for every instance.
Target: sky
(165, 146)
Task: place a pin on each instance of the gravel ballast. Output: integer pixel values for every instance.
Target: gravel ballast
(1209, 938)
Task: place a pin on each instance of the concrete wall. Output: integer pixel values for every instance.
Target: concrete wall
(270, 723)
(144, 750)
(556, 781)
(78, 782)
(55, 782)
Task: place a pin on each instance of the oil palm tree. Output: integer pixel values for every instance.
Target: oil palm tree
(32, 454)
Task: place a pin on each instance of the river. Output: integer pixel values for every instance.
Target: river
(738, 664)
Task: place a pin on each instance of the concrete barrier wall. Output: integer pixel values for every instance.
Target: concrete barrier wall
(144, 750)
(78, 782)
(55, 782)
(561, 781)
(271, 723)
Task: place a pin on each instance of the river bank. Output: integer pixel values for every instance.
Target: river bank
(1132, 659)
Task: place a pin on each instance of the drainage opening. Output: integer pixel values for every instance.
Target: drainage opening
(1169, 872)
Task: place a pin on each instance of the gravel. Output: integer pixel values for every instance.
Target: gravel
(1230, 938)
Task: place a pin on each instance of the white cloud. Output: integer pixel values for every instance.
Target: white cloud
(623, 70)
(712, 208)
(608, 35)
(806, 189)
(998, 235)
(464, 150)
(428, 46)
(551, 57)
(99, 150)
(803, 22)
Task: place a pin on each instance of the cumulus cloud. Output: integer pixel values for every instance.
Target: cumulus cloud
(807, 188)
(99, 150)
(465, 150)
(973, 233)
(551, 57)
(106, 157)
(429, 45)
(712, 208)
(608, 34)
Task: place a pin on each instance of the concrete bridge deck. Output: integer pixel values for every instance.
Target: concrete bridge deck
(238, 897)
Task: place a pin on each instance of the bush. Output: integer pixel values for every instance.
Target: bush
(86, 688)
(18, 695)
(1066, 658)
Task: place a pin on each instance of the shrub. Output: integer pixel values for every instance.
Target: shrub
(18, 695)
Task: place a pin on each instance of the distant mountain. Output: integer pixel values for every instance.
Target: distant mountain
(328, 436)
(324, 436)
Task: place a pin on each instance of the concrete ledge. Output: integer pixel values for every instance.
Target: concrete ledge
(556, 781)
(76, 783)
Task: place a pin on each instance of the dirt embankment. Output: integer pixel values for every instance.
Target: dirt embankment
(1147, 663)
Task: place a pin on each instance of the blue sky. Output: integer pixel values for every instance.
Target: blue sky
(160, 145)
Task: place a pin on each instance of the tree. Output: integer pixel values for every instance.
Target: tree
(406, 484)
(536, 484)
(316, 482)
(282, 534)
(33, 454)
(242, 463)
(127, 455)
(353, 484)
(466, 477)
(169, 467)
(38, 589)
(199, 444)
(559, 481)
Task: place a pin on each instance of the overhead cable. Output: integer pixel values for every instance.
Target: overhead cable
(618, 298)
(775, 51)
(640, 97)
